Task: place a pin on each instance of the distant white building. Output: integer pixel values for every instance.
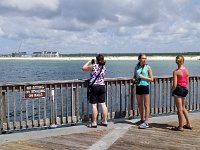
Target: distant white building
(19, 54)
(37, 54)
(46, 54)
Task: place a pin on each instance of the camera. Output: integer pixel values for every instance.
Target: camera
(137, 81)
(93, 61)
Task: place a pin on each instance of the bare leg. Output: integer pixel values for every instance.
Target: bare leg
(94, 114)
(146, 106)
(178, 101)
(104, 112)
(185, 113)
(140, 106)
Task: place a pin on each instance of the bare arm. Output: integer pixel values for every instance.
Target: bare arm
(87, 66)
(134, 74)
(174, 80)
(150, 78)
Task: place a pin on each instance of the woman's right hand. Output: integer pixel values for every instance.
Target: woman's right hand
(87, 66)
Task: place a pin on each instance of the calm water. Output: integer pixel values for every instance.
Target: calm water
(43, 70)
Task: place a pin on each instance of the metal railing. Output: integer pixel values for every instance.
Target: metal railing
(44, 104)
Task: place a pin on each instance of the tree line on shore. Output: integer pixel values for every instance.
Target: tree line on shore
(130, 54)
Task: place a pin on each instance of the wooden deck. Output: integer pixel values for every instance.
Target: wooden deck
(78, 141)
(158, 136)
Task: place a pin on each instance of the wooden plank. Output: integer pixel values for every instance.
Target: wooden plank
(159, 136)
(76, 141)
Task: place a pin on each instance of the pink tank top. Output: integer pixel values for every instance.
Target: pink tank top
(182, 80)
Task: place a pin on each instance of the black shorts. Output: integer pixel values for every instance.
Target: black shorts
(97, 94)
(140, 90)
(180, 91)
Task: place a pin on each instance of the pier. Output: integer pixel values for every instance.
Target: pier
(53, 114)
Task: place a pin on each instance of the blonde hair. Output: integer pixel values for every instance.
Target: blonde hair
(179, 59)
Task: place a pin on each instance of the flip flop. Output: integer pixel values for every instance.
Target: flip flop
(91, 126)
(104, 124)
(186, 127)
(176, 129)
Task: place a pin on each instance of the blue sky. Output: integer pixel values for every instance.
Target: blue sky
(99, 26)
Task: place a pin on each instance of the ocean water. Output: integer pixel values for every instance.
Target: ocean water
(43, 70)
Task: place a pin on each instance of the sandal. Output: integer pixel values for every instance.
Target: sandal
(187, 127)
(103, 124)
(91, 126)
(176, 129)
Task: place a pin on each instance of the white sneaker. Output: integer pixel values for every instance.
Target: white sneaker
(144, 125)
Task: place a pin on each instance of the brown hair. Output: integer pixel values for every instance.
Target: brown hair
(139, 57)
(179, 59)
(100, 59)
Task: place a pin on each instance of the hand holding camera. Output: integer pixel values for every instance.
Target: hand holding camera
(93, 61)
(137, 81)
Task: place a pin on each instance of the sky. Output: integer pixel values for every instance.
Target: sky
(99, 26)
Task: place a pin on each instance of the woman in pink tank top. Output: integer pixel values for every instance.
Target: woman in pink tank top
(180, 91)
(182, 76)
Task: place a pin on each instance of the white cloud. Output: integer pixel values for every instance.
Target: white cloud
(1, 32)
(25, 5)
(89, 26)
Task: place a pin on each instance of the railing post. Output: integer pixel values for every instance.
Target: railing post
(155, 96)
(73, 94)
(52, 105)
(111, 101)
(77, 102)
(132, 101)
(130, 113)
(3, 110)
(197, 94)
(53, 109)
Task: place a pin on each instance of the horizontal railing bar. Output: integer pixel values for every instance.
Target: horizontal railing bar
(77, 81)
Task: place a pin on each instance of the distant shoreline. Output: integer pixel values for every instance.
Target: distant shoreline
(107, 58)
